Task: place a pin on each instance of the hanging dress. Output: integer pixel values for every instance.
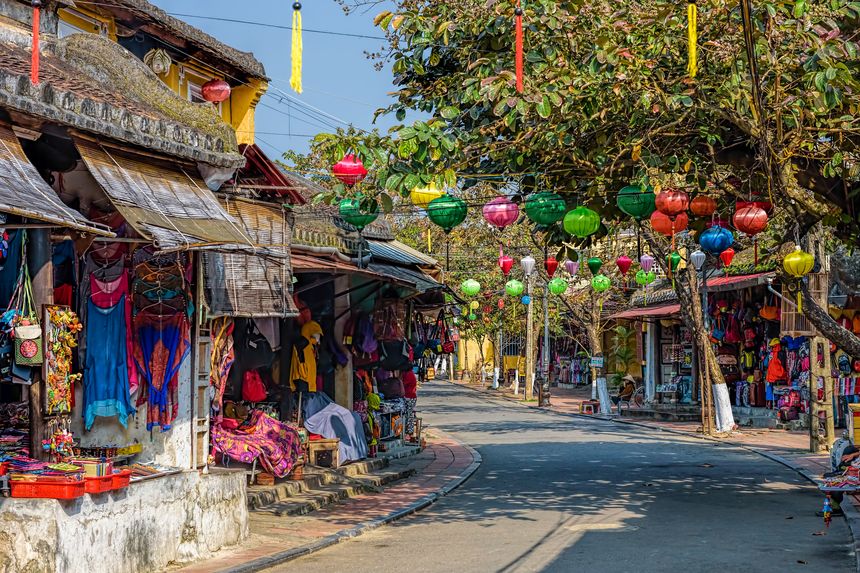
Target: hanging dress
(106, 294)
(162, 345)
(106, 386)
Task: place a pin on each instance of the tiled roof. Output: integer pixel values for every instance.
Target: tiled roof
(96, 86)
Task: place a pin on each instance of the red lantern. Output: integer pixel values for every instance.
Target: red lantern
(751, 220)
(727, 256)
(703, 206)
(215, 91)
(623, 263)
(506, 263)
(717, 223)
(501, 303)
(672, 202)
(350, 170)
(665, 226)
(551, 265)
(766, 205)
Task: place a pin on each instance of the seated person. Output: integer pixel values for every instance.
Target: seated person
(626, 392)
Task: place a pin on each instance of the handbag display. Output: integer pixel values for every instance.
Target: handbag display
(28, 337)
(770, 311)
(253, 388)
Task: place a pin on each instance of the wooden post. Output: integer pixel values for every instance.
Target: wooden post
(42, 275)
(819, 346)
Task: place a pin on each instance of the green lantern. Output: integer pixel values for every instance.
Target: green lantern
(557, 286)
(650, 277)
(582, 222)
(447, 211)
(601, 283)
(545, 208)
(472, 316)
(641, 277)
(470, 287)
(514, 287)
(352, 212)
(594, 264)
(636, 201)
(673, 260)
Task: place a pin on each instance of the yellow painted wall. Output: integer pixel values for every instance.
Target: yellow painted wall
(238, 111)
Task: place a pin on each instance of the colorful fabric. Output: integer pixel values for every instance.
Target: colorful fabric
(222, 359)
(276, 445)
(106, 386)
(304, 363)
(161, 346)
(410, 416)
(105, 294)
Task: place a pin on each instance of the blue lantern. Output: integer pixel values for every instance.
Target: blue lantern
(527, 299)
(716, 240)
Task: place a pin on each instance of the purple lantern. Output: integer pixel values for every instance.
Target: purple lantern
(647, 262)
(501, 212)
(572, 267)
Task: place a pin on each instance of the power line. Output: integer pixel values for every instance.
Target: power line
(276, 26)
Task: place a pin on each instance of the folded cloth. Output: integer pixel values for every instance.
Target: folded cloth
(276, 445)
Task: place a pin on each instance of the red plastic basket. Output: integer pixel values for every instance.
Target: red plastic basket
(54, 489)
(97, 485)
(4, 467)
(121, 479)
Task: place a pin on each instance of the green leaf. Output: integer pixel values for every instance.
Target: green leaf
(387, 203)
(544, 108)
(449, 112)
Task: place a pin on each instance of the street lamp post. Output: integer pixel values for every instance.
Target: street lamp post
(528, 265)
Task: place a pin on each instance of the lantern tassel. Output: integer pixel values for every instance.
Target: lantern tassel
(799, 301)
(692, 40)
(34, 62)
(519, 47)
(755, 251)
(296, 51)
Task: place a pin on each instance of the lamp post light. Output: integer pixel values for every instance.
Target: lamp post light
(528, 265)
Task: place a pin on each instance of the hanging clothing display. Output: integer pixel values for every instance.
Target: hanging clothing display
(222, 359)
(106, 294)
(106, 385)
(163, 344)
(303, 366)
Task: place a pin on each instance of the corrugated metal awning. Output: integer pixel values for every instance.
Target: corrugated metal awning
(247, 285)
(648, 312)
(422, 283)
(24, 193)
(738, 282)
(304, 263)
(164, 203)
(397, 252)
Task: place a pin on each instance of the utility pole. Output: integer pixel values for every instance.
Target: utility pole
(543, 399)
(530, 343)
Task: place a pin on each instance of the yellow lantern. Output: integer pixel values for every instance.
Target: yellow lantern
(474, 305)
(798, 264)
(421, 196)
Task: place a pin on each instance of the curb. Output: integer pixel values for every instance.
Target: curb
(267, 562)
(851, 512)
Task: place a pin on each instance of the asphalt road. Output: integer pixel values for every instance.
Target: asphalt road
(558, 493)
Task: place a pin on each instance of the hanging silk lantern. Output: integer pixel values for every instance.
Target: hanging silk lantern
(550, 265)
(447, 212)
(582, 222)
(672, 202)
(594, 264)
(650, 277)
(572, 267)
(716, 240)
(697, 257)
(353, 212)
(557, 286)
(798, 264)
(636, 201)
(526, 300)
(703, 206)
(296, 49)
(641, 277)
(474, 305)
(545, 208)
(528, 264)
(673, 260)
(501, 212)
(601, 283)
(470, 287)
(506, 263)
(664, 225)
(501, 303)
(421, 196)
(646, 262)
(215, 91)
(751, 220)
(766, 205)
(349, 170)
(623, 263)
(472, 316)
(727, 256)
(514, 287)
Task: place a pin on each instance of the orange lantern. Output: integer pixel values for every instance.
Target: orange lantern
(751, 220)
(672, 202)
(703, 206)
(666, 226)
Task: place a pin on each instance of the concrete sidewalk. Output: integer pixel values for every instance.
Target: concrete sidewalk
(442, 467)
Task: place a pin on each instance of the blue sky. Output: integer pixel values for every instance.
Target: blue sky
(338, 78)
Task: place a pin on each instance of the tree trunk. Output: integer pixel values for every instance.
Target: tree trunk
(844, 339)
(598, 377)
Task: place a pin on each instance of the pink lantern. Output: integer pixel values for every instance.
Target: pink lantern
(647, 262)
(501, 212)
(572, 267)
(623, 262)
(551, 265)
(718, 222)
(501, 303)
(215, 91)
(350, 170)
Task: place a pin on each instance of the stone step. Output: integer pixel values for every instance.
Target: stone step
(661, 415)
(314, 478)
(325, 495)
